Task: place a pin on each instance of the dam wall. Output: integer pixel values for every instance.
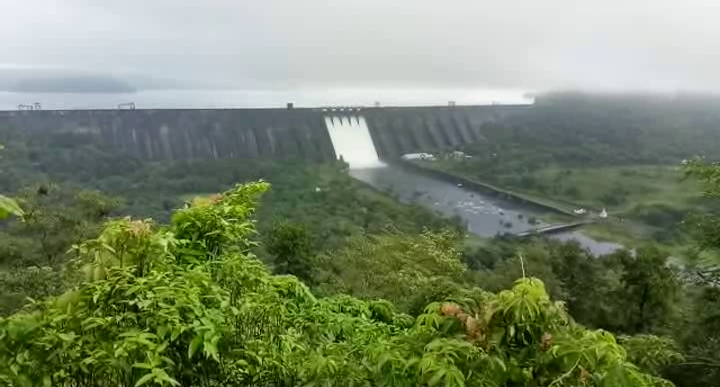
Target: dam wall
(186, 134)
(304, 133)
(401, 130)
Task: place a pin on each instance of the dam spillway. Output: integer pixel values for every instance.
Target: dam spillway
(352, 140)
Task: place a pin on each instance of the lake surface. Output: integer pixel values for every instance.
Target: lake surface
(301, 97)
(484, 215)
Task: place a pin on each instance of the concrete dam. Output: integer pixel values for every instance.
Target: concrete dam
(317, 134)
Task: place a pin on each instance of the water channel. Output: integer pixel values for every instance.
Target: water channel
(484, 215)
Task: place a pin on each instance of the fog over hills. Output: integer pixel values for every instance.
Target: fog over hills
(50, 80)
(616, 45)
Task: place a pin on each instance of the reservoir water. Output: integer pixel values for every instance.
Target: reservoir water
(301, 97)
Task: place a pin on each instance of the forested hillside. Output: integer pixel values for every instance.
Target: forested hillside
(595, 151)
(189, 305)
(578, 129)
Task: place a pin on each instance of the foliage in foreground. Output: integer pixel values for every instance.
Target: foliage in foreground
(189, 305)
(9, 207)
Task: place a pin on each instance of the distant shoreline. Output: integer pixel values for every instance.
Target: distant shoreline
(69, 85)
(133, 91)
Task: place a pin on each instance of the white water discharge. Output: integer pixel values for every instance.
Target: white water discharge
(351, 139)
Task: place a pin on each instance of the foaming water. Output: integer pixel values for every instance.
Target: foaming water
(351, 139)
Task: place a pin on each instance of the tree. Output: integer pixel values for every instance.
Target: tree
(699, 338)
(409, 270)
(652, 354)
(705, 227)
(27, 283)
(291, 247)
(649, 290)
(35, 245)
(55, 219)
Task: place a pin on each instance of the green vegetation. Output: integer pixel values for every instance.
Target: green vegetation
(9, 207)
(409, 270)
(34, 245)
(590, 130)
(630, 190)
(620, 292)
(321, 280)
(588, 151)
(187, 305)
(645, 203)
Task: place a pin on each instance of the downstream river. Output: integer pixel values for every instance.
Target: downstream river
(483, 214)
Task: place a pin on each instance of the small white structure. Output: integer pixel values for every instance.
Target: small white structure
(418, 156)
(603, 214)
(458, 155)
(580, 211)
(318, 189)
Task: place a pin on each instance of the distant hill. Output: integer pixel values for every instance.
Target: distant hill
(70, 84)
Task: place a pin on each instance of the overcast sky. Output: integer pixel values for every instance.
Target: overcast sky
(533, 44)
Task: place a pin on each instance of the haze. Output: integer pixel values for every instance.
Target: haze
(531, 45)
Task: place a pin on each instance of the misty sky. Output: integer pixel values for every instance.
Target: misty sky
(534, 44)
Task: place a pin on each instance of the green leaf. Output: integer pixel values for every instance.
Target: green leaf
(146, 366)
(9, 207)
(144, 379)
(193, 346)
(436, 377)
(66, 336)
(210, 349)
(162, 375)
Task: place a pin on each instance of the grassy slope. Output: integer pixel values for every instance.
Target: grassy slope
(648, 184)
(640, 184)
(636, 188)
